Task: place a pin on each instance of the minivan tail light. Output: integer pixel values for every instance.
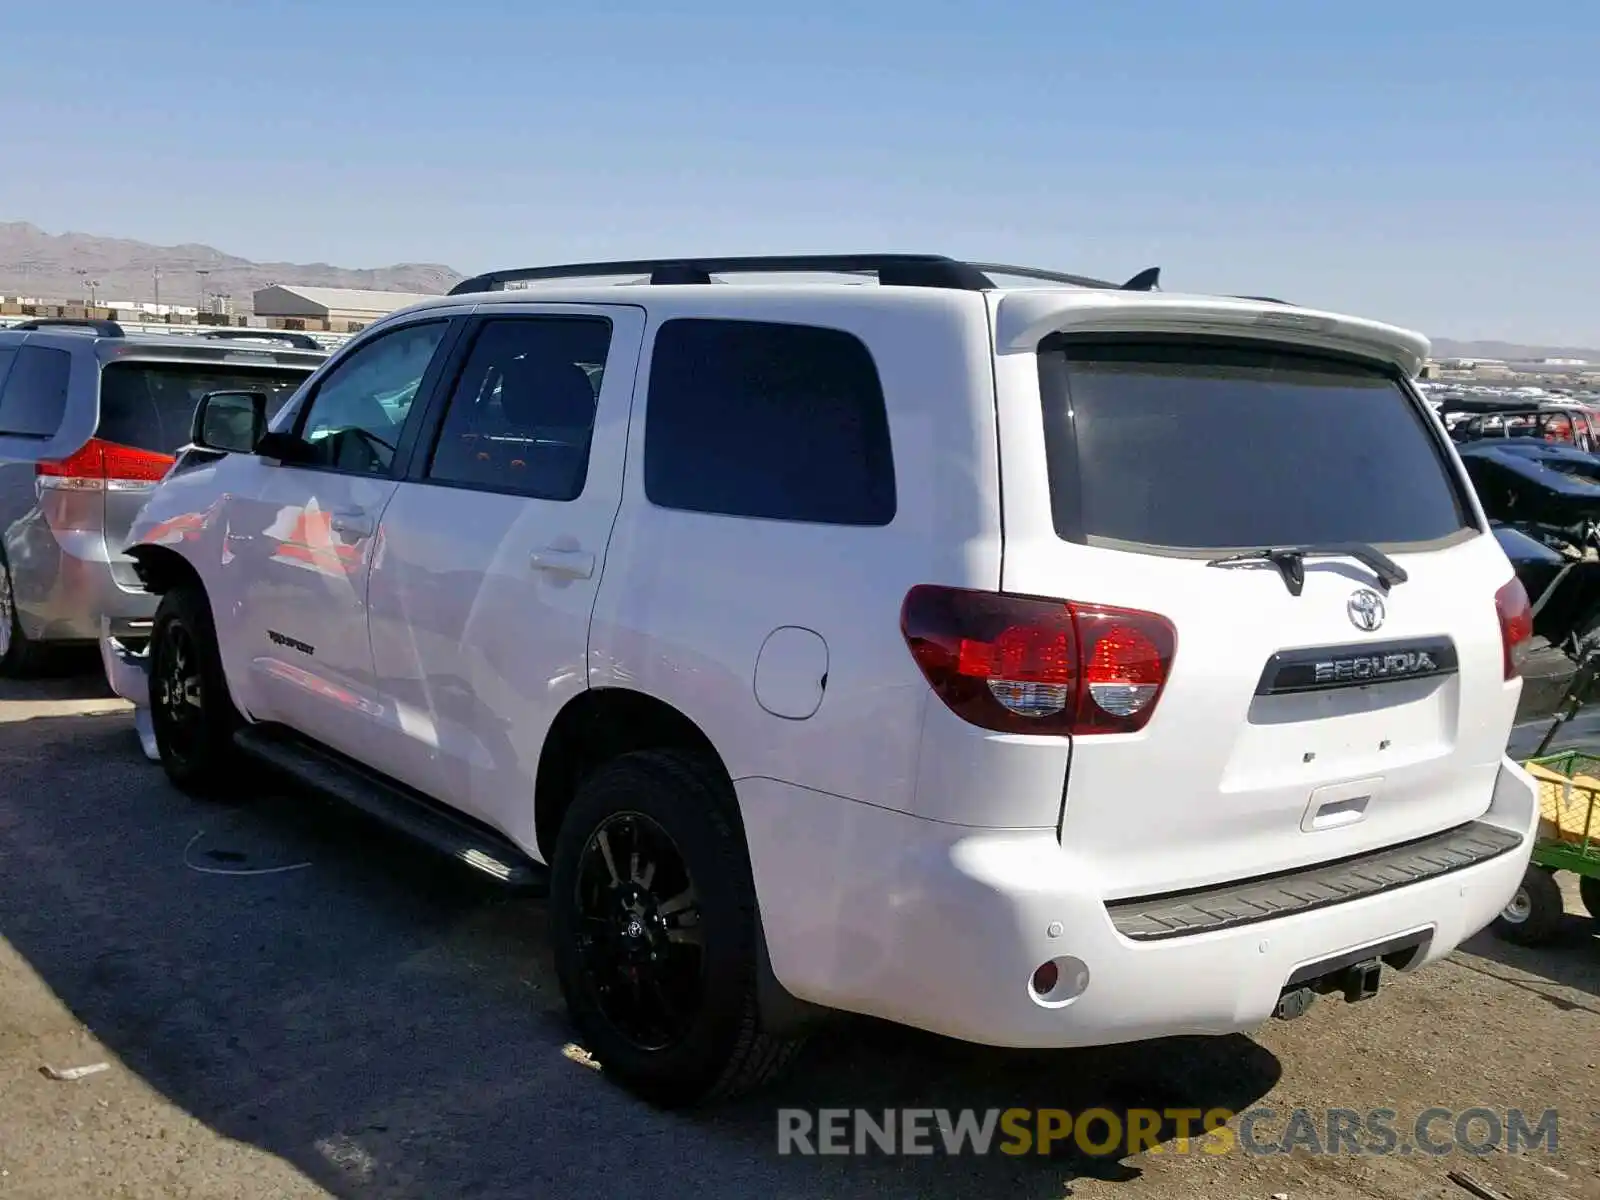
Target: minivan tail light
(97, 463)
(1026, 664)
(1516, 625)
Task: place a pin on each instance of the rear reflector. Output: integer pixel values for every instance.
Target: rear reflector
(98, 462)
(1023, 664)
(1516, 625)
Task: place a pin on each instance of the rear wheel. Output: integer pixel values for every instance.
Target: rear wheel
(190, 710)
(653, 917)
(1534, 913)
(1589, 893)
(20, 655)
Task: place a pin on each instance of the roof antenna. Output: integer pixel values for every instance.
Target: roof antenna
(1144, 281)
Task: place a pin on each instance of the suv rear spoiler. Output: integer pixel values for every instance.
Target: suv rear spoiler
(299, 341)
(1024, 318)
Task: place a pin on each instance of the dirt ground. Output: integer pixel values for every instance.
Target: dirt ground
(375, 1024)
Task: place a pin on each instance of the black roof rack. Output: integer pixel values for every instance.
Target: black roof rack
(101, 328)
(899, 270)
(300, 341)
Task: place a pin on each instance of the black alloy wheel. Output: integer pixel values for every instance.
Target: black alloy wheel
(191, 712)
(639, 935)
(656, 933)
(177, 692)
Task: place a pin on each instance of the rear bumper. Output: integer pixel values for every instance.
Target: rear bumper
(942, 927)
(64, 584)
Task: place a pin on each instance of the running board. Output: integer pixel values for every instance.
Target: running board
(393, 804)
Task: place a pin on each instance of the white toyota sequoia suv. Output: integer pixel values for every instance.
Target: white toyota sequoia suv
(1044, 665)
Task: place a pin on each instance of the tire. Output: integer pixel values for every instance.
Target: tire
(20, 656)
(1588, 634)
(1534, 914)
(699, 1039)
(1589, 893)
(191, 711)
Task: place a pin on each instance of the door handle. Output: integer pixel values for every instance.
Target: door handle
(352, 521)
(579, 564)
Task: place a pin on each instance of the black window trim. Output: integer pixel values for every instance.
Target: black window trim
(1059, 418)
(431, 428)
(646, 380)
(405, 447)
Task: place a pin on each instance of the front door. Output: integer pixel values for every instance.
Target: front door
(492, 551)
(301, 539)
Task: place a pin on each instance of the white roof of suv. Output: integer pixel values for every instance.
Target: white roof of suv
(1047, 301)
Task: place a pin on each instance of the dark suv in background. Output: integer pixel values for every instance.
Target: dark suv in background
(100, 415)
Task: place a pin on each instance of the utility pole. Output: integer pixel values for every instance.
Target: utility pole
(158, 291)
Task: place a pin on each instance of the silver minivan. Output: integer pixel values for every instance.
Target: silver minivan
(100, 415)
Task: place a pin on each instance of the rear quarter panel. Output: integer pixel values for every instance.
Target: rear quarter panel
(687, 600)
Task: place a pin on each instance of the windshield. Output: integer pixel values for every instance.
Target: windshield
(1196, 447)
(151, 405)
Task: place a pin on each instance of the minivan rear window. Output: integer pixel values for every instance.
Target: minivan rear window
(1197, 446)
(151, 405)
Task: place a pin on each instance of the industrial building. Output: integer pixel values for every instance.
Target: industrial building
(335, 310)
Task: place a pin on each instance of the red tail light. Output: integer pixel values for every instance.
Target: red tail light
(1021, 664)
(1516, 625)
(98, 461)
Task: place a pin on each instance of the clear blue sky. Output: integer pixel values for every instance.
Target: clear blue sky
(1436, 164)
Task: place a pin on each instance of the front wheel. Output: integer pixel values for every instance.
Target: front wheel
(1534, 913)
(191, 713)
(653, 917)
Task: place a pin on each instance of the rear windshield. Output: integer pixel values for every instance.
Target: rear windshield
(151, 405)
(1193, 447)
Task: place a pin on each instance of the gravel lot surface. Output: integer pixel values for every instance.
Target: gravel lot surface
(375, 1024)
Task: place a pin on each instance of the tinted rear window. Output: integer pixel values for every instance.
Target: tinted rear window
(1196, 447)
(33, 392)
(151, 405)
(775, 421)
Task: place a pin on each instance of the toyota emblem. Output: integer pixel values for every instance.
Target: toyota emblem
(1366, 610)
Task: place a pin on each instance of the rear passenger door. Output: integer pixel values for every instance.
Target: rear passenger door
(492, 551)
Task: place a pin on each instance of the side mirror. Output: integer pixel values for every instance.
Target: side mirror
(230, 422)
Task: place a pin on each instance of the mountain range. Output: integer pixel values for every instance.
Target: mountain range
(58, 267)
(1509, 351)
